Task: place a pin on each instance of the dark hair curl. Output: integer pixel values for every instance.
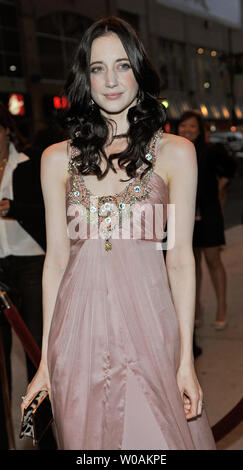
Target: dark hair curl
(88, 128)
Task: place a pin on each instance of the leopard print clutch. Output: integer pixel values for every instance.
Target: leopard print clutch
(37, 417)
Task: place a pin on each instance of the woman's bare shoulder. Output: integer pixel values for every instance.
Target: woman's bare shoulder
(174, 154)
(56, 157)
(170, 142)
(57, 151)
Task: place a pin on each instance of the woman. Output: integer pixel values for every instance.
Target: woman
(215, 168)
(117, 353)
(22, 235)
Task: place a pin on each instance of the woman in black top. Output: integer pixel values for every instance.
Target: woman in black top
(215, 168)
(22, 245)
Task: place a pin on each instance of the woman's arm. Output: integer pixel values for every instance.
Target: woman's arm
(181, 164)
(53, 179)
(180, 262)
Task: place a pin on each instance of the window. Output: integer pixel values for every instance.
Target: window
(58, 35)
(131, 18)
(171, 64)
(10, 58)
(51, 57)
(10, 40)
(8, 15)
(212, 73)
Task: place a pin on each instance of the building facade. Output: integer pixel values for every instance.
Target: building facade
(199, 58)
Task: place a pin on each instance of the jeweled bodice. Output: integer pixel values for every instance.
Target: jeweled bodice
(113, 216)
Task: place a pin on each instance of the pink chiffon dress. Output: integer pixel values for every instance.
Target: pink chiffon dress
(114, 342)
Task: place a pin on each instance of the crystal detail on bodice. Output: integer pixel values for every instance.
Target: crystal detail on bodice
(111, 209)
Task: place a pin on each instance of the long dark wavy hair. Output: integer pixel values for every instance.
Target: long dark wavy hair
(88, 128)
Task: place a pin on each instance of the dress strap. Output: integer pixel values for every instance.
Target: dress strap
(153, 147)
(159, 134)
(72, 152)
(69, 149)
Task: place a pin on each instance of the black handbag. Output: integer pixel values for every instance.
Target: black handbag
(37, 417)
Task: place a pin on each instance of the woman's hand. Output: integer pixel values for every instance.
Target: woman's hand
(222, 190)
(39, 382)
(190, 390)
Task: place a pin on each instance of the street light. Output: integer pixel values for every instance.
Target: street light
(207, 85)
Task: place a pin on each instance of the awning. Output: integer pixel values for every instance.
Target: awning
(177, 107)
(209, 108)
(239, 110)
(214, 109)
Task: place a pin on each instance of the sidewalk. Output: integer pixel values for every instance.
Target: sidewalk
(219, 368)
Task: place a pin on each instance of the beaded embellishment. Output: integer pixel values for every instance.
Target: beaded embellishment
(110, 210)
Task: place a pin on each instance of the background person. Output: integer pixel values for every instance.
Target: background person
(215, 168)
(22, 234)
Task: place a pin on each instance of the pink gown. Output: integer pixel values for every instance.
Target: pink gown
(114, 340)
